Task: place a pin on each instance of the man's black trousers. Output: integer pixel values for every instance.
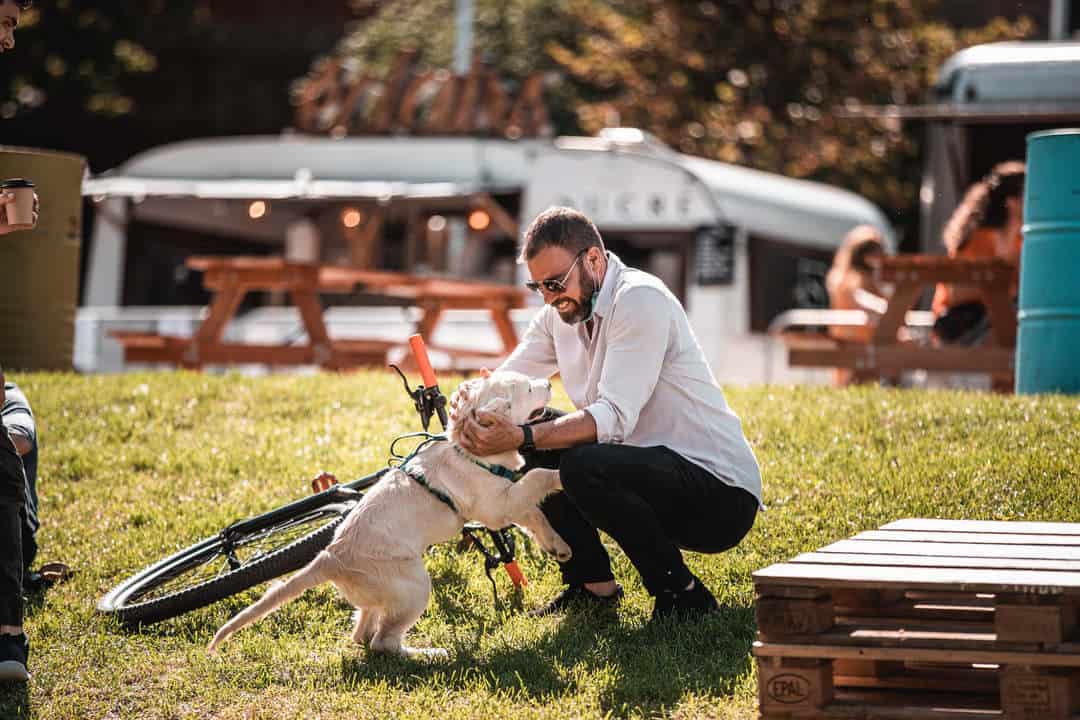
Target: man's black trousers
(12, 520)
(651, 501)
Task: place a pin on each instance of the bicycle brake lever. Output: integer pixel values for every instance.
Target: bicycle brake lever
(423, 406)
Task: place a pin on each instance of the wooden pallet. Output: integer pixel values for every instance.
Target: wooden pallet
(925, 619)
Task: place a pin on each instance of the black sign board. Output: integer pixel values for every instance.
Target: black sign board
(714, 260)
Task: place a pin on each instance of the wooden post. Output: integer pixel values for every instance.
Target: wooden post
(1019, 618)
(779, 618)
(226, 300)
(364, 240)
(500, 315)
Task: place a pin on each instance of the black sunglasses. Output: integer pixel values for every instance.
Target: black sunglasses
(551, 284)
(23, 4)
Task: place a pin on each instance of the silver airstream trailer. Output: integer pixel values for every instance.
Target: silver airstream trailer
(738, 246)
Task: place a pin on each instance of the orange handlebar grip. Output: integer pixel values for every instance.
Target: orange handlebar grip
(423, 362)
(515, 573)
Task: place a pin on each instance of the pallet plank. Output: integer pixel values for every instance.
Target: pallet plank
(979, 538)
(942, 561)
(935, 549)
(824, 650)
(1045, 582)
(983, 526)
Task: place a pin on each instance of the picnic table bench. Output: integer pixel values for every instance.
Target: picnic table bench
(229, 279)
(924, 619)
(910, 275)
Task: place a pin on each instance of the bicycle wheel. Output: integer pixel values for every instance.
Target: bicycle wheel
(241, 556)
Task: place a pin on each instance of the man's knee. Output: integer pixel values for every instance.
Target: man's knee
(581, 470)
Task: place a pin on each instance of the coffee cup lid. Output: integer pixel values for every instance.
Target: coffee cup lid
(16, 183)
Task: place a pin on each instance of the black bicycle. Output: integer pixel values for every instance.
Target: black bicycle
(260, 548)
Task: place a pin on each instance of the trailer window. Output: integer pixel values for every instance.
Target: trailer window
(783, 276)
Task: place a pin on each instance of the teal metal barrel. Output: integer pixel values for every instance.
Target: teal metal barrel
(1048, 344)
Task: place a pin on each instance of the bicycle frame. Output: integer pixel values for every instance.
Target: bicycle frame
(348, 492)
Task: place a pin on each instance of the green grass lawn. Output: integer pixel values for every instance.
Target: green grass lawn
(135, 466)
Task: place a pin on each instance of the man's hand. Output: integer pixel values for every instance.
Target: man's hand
(460, 397)
(485, 433)
(7, 198)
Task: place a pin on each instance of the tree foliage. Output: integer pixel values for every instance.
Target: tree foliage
(757, 83)
(748, 82)
(82, 55)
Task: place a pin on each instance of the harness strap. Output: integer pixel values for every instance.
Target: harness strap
(500, 470)
(422, 481)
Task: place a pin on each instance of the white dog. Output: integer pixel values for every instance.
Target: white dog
(375, 557)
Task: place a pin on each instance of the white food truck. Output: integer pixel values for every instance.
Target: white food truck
(738, 246)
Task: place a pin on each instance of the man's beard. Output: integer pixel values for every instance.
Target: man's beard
(578, 309)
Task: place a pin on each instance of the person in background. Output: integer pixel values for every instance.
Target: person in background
(10, 14)
(18, 420)
(14, 645)
(851, 286)
(986, 224)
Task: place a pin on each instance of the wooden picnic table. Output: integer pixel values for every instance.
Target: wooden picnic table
(910, 275)
(229, 279)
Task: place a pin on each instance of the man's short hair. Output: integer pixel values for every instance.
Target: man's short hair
(560, 227)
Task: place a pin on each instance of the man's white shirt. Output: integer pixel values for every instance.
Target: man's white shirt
(642, 375)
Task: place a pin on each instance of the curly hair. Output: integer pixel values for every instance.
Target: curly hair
(984, 204)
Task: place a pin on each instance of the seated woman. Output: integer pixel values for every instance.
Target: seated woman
(851, 286)
(986, 224)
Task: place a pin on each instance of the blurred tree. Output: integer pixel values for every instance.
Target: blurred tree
(109, 78)
(510, 35)
(82, 56)
(756, 83)
(747, 82)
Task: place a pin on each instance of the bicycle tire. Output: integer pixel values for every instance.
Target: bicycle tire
(145, 598)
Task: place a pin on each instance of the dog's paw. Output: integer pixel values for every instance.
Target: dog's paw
(427, 653)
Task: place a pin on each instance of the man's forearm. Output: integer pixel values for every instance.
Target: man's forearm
(21, 442)
(576, 428)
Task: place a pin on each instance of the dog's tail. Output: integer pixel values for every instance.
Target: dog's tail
(314, 573)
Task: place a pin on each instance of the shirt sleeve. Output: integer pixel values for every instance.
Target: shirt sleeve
(535, 354)
(17, 416)
(637, 342)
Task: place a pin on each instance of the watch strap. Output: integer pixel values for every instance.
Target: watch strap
(527, 445)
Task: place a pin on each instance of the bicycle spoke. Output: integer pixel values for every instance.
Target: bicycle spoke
(223, 559)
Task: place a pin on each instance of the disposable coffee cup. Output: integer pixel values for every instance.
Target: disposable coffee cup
(20, 212)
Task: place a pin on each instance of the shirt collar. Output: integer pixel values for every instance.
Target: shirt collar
(607, 286)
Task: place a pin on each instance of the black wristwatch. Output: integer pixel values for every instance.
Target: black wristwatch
(527, 445)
